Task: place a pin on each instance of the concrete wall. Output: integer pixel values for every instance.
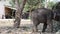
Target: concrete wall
(2, 11)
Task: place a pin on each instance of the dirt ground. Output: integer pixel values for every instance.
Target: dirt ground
(6, 27)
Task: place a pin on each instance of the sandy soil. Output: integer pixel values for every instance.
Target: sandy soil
(6, 27)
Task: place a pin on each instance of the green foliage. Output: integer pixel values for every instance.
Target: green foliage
(57, 5)
(29, 4)
(12, 2)
(26, 8)
(50, 4)
(33, 2)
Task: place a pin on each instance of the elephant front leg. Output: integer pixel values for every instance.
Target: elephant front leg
(35, 28)
(50, 25)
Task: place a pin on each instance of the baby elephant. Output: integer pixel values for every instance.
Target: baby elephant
(42, 15)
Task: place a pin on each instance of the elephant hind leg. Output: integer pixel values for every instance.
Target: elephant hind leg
(44, 27)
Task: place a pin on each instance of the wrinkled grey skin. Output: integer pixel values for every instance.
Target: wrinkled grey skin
(42, 15)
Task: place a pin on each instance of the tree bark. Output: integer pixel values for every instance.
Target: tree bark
(46, 3)
(18, 13)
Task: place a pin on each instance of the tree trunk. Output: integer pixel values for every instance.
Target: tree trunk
(18, 13)
(46, 3)
(40, 5)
